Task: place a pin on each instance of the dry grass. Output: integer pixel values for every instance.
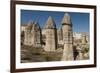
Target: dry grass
(37, 54)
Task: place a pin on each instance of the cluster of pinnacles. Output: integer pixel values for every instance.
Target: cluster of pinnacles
(48, 38)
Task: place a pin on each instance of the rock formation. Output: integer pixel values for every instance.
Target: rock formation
(51, 35)
(32, 34)
(67, 38)
(84, 40)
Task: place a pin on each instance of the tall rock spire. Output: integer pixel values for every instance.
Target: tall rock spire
(67, 38)
(51, 35)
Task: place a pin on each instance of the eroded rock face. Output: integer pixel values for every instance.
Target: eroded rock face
(51, 35)
(32, 34)
(67, 38)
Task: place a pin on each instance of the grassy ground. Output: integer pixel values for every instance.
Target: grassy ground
(37, 54)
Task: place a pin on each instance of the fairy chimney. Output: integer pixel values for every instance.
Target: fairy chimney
(51, 35)
(67, 38)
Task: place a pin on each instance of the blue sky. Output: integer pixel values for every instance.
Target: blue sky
(80, 21)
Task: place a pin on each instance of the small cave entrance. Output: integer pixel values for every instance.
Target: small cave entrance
(43, 40)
